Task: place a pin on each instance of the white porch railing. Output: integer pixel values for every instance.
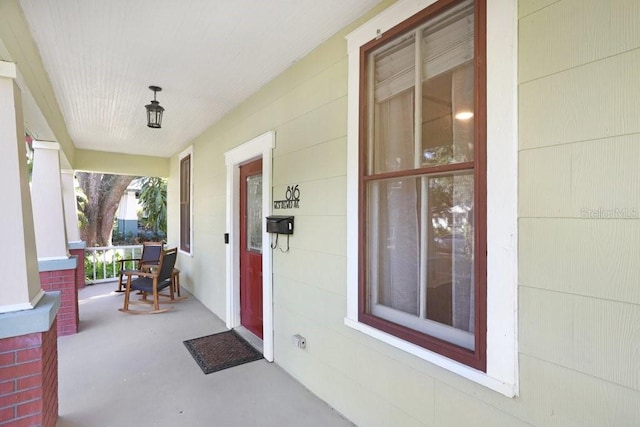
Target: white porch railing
(101, 262)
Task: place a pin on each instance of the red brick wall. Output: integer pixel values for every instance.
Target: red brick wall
(29, 379)
(65, 282)
(80, 279)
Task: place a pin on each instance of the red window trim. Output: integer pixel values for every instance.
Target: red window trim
(185, 203)
(477, 358)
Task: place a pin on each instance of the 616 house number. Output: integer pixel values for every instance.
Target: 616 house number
(292, 199)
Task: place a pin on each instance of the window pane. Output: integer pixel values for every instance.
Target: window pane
(393, 144)
(254, 213)
(393, 243)
(447, 118)
(420, 258)
(447, 40)
(450, 245)
(394, 68)
(447, 51)
(446, 96)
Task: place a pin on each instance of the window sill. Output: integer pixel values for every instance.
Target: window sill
(464, 371)
(183, 252)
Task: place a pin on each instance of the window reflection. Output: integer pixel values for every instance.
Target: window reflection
(254, 213)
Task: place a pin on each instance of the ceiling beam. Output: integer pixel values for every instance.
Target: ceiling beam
(121, 164)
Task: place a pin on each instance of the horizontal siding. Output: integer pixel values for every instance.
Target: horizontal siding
(552, 395)
(334, 368)
(603, 261)
(325, 123)
(556, 396)
(326, 160)
(325, 234)
(454, 408)
(526, 7)
(323, 270)
(594, 101)
(571, 33)
(579, 213)
(545, 182)
(594, 336)
(598, 179)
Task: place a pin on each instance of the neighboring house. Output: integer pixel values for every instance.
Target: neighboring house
(524, 299)
(127, 214)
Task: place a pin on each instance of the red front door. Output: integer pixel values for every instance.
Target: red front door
(251, 246)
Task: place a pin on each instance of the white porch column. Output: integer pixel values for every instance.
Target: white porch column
(75, 246)
(46, 192)
(20, 283)
(67, 177)
(27, 313)
(58, 270)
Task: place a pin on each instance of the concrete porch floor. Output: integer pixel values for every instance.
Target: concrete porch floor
(126, 370)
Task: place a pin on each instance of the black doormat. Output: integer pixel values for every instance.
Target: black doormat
(221, 351)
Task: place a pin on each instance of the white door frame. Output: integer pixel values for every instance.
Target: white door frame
(260, 146)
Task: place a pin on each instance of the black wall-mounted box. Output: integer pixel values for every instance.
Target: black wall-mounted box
(280, 224)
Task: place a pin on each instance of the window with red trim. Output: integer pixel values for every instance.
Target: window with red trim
(185, 203)
(422, 184)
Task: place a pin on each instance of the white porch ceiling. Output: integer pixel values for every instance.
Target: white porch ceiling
(207, 55)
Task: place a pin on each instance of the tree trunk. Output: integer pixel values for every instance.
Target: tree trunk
(103, 192)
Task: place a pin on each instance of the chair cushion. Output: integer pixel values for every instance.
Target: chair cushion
(145, 284)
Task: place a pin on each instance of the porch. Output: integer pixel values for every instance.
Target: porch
(129, 370)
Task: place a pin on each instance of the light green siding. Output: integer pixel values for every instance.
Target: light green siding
(591, 101)
(556, 36)
(579, 292)
(554, 395)
(579, 209)
(603, 254)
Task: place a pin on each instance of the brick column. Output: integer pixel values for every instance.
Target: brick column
(63, 281)
(77, 249)
(29, 366)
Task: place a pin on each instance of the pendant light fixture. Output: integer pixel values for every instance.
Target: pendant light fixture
(154, 110)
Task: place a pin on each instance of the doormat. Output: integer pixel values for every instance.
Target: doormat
(221, 351)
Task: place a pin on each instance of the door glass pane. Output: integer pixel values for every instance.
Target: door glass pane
(254, 213)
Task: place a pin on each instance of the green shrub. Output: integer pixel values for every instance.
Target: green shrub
(102, 269)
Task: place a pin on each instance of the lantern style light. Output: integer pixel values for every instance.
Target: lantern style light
(154, 110)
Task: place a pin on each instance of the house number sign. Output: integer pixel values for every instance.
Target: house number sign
(292, 199)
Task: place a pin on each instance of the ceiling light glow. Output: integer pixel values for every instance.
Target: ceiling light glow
(464, 115)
